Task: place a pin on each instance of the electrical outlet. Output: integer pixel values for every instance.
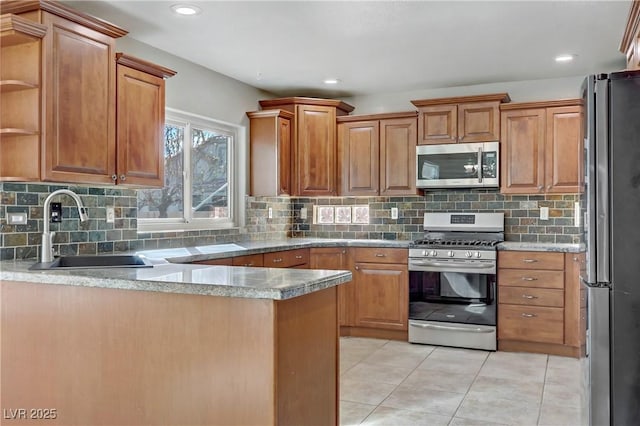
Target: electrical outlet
(56, 212)
(111, 215)
(544, 213)
(303, 213)
(16, 218)
(394, 212)
(270, 213)
(576, 214)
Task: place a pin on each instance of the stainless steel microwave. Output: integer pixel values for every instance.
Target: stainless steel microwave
(458, 165)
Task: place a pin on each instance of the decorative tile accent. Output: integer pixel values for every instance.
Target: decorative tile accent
(324, 215)
(360, 214)
(343, 214)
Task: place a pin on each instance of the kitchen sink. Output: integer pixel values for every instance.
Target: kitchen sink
(85, 262)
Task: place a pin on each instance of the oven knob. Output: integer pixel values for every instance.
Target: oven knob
(468, 254)
(425, 252)
(434, 253)
(450, 254)
(478, 255)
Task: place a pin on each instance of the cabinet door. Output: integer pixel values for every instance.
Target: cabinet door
(563, 149)
(522, 139)
(140, 128)
(284, 156)
(479, 122)
(398, 138)
(315, 166)
(358, 158)
(79, 105)
(575, 315)
(382, 295)
(438, 124)
(336, 258)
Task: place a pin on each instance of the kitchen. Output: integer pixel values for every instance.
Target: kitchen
(272, 218)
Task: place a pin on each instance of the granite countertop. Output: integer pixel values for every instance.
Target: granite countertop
(554, 247)
(172, 273)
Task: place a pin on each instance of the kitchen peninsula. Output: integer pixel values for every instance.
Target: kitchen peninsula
(172, 344)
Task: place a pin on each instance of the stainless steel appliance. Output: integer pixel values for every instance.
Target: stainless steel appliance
(458, 165)
(452, 280)
(611, 204)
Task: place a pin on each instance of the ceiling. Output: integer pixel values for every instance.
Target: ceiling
(290, 47)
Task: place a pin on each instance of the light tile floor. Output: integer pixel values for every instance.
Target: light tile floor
(385, 382)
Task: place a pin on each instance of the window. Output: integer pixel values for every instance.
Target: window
(198, 176)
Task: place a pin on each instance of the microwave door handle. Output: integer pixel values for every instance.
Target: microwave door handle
(480, 165)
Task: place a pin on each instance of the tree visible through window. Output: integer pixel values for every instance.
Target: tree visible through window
(197, 174)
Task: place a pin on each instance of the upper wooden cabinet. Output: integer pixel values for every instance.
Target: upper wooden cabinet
(140, 121)
(541, 147)
(74, 137)
(270, 151)
(314, 142)
(376, 154)
(21, 88)
(630, 45)
(459, 119)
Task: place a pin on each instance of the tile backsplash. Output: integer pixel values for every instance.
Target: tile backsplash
(522, 222)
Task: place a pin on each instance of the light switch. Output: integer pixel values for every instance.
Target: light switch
(303, 213)
(111, 215)
(394, 212)
(544, 213)
(270, 213)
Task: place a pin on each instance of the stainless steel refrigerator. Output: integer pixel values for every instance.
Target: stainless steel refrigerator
(611, 276)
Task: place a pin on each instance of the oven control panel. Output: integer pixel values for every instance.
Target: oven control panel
(453, 254)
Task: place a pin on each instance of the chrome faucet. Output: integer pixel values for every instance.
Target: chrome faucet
(47, 236)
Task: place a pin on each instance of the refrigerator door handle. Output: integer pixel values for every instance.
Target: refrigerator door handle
(602, 214)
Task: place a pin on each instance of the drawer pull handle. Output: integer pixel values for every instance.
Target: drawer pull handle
(529, 260)
(528, 296)
(248, 264)
(298, 257)
(379, 255)
(277, 260)
(529, 279)
(528, 315)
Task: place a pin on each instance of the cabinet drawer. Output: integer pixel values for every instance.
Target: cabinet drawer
(530, 324)
(380, 255)
(254, 260)
(286, 259)
(530, 278)
(531, 296)
(531, 260)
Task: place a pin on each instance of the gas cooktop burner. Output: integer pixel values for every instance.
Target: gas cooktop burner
(459, 243)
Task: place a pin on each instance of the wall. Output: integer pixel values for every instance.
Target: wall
(519, 91)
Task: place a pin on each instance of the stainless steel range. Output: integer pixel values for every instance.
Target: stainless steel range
(452, 280)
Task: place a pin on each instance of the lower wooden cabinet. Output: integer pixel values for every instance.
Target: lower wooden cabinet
(381, 295)
(298, 258)
(539, 302)
(375, 303)
(336, 258)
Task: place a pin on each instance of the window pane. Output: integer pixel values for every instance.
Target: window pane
(209, 174)
(168, 201)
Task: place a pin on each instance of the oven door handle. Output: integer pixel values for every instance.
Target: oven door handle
(450, 328)
(455, 265)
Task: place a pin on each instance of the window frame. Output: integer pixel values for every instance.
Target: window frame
(235, 156)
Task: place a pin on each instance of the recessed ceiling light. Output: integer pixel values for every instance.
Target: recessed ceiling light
(186, 9)
(565, 58)
(331, 81)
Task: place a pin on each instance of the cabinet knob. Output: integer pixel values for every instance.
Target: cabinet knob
(548, 186)
(344, 251)
(541, 187)
(298, 257)
(357, 268)
(123, 178)
(114, 177)
(380, 255)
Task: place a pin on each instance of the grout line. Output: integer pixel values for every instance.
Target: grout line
(544, 385)
(469, 388)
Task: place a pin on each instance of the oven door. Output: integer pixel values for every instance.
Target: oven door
(452, 291)
(460, 165)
